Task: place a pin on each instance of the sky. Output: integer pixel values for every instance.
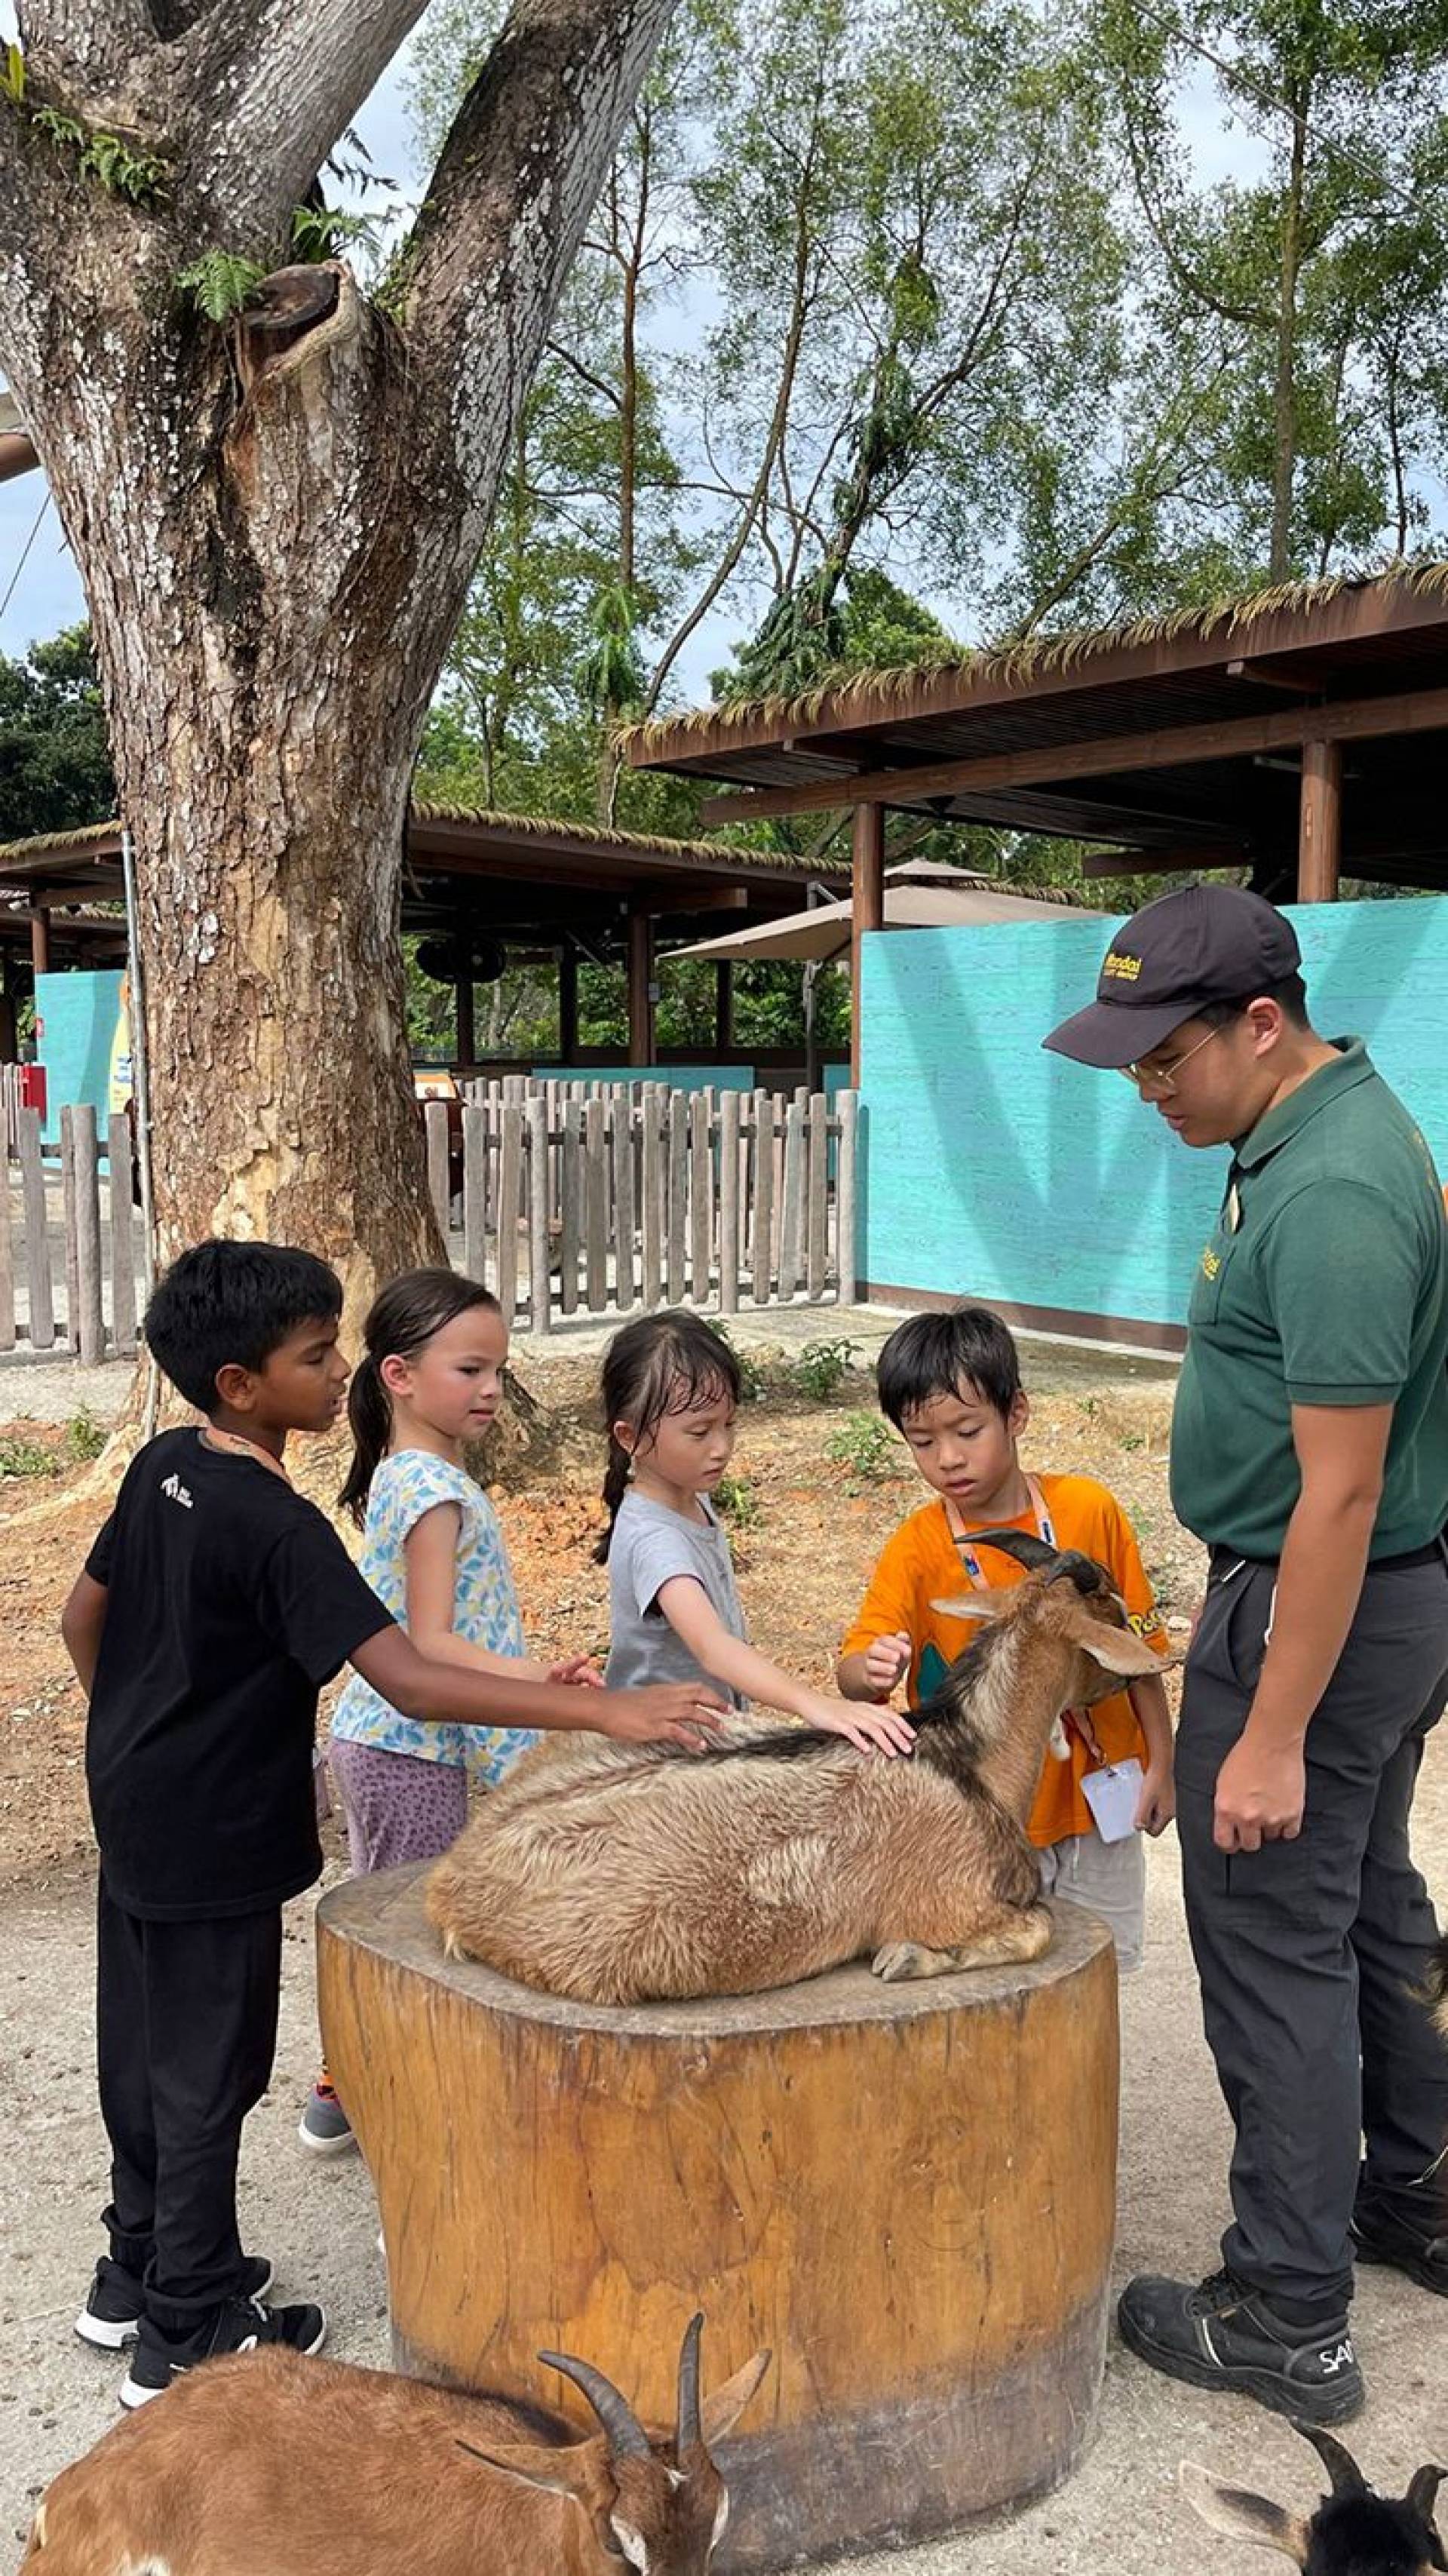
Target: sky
(46, 593)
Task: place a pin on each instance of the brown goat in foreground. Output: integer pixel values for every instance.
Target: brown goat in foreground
(267, 2464)
(621, 1874)
(1354, 2532)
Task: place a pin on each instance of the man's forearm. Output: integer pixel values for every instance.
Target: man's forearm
(1324, 1559)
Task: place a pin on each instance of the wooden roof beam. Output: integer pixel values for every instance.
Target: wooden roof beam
(1153, 863)
(1059, 765)
(1277, 675)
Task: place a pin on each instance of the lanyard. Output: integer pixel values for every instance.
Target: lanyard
(1076, 1718)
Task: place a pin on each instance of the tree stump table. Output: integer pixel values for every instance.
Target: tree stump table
(906, 2191)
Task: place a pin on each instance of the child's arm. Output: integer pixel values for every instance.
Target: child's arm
(1156, 1806)
(695, 1621)
(443, 1695)
(873, 1670)
(81, 1623)
(430, 1555)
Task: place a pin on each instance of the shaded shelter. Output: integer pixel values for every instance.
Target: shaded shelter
(1295, 736)
(480, 888)
(920, 894)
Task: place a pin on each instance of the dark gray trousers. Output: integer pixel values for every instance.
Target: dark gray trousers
(1309, 1952)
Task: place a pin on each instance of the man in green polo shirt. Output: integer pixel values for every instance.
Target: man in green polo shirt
(1310, 1453)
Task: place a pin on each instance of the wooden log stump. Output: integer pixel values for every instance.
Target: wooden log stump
(907, 2191)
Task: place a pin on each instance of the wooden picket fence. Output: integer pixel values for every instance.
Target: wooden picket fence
(569, 1200)
(591, 1197)
(92, 1240)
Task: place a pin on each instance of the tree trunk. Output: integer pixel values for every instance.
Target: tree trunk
(276, 524)
(263, 728)
(1284, 438)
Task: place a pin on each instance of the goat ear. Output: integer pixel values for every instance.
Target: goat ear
(1245, 2516)
(721, 2412)
(1118, 1650)
(1423, 2493)
(567, 2471)
(973, 1605)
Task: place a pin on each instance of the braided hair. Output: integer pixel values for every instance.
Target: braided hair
(659, 1364)
(403, 1318)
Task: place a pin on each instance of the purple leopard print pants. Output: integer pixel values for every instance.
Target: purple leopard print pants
(398, 1807)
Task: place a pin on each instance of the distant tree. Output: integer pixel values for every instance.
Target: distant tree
(55, 766)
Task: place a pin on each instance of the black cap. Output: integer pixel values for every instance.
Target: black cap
(1210, 943)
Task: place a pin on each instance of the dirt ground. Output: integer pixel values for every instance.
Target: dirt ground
(808, 1522)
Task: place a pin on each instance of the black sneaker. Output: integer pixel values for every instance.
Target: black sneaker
(1218, 2333)
(111, 2317)
(241, 2326)
(1384, 2235)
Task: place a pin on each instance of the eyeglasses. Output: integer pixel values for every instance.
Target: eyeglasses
(1162, 1078)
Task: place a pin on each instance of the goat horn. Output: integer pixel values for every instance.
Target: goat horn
(1423, 2493)
(690, 2432)
(626, 2436)
(1347, 2478)
(1023, 1545)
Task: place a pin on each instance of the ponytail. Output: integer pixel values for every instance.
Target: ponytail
(369, 1415)
(615, 1486)
(402, 1321)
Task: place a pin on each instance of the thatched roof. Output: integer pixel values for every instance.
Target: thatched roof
(101, 836)
(851, 694)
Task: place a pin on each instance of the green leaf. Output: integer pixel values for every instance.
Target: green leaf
(219, 283)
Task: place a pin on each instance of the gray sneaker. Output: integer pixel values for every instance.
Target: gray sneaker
(324, 2126)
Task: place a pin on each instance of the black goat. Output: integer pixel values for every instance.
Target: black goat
(1354, 2531)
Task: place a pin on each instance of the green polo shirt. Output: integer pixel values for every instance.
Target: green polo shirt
(1325, 1282)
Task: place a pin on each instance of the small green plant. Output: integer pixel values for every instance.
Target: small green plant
(109, 159)
(12, 74)
(85, 1438)
(320, 232)
(736, 1499)
(21, 1457)
(220, 282)
(860, 1444)
(1133, 1440)
(820, 1369)
(1089, 1408)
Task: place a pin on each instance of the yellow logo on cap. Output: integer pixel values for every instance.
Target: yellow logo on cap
(1124, 969)
(1210, 1264)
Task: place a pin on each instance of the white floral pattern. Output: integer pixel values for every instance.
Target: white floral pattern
(485, 1610)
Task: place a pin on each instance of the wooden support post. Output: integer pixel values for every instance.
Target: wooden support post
(867, 909)
(1319, 845)
(40, 940)
(567, 1005)
(467, 1027)
(640, 988)
(724, 1006)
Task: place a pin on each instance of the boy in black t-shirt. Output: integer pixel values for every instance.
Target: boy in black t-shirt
(214, 1605)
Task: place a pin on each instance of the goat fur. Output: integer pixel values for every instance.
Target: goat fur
(621, 1874)
(269, 2464)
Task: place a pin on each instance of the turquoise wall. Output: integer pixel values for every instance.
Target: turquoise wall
(679, 1077)
(994, 1170)
(77, 1014)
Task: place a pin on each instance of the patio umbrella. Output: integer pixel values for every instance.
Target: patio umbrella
(920, 894)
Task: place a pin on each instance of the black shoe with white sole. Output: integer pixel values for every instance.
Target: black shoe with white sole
(242, 2325)
(115, 2301)
(1220, 2333)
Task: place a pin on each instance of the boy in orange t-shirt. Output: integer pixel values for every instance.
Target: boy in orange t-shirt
(951, 1385)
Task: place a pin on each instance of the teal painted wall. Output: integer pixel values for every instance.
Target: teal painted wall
(679, 1077)
(77, 1014)
(994, 1170)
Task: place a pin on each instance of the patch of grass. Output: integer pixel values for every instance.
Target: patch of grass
(85, 1438)
(821, 1368)
(21, 1457)
(1133, 1440)
(861, 1445)
(736, 1499)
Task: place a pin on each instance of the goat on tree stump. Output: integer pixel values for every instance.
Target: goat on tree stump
(276, 522)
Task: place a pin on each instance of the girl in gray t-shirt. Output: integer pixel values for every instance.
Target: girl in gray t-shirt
(670, 1392)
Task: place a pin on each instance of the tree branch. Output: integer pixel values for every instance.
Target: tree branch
(276, 85)
(97, 61)
(505, 212)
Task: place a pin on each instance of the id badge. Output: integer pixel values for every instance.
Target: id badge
(1112, 1794)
